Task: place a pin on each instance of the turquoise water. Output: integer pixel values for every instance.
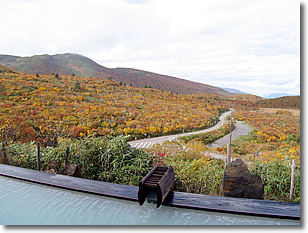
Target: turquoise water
(26, 203)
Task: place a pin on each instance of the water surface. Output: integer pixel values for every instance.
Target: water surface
(26, 203)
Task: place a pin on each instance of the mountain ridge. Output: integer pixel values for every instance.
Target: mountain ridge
(80, 65)
(192, 87)
(277, 95)
(232, 90)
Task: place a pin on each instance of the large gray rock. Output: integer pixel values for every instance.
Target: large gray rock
(239, 182)
(70, 170)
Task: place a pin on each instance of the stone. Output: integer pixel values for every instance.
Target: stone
(5, 157)
(239, 182)
(71, 170)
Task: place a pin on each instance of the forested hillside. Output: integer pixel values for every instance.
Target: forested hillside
(87, 113)
(168, 83)
(4, 69)
(62, 64)
(286, 102)
(44, 107)
(67, 64)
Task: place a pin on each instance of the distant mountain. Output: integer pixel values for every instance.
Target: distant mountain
(293, 102)
(269, 96)
(233, 90)
(277, 95)
(168, 83)
(63, 64)
(4, 69)
(66, 64)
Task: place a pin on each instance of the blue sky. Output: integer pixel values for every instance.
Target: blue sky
(250, 45)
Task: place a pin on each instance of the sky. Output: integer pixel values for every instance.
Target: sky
(248, 45)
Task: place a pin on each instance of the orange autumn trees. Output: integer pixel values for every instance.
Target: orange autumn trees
(286, 102)
(44, 107)
(278, 134)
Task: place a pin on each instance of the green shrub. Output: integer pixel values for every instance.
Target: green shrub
(276, 177)
(115, 161)
(99, 158)
(194, 173)
(207, 138)
(202, 176)
(24, 155)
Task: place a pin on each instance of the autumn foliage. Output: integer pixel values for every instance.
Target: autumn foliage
(288, 102)
(278, 134)
(58, 110)
(44, 107)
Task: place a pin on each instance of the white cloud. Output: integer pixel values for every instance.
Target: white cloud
(251, 44)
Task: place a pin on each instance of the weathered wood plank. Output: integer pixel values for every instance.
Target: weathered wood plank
(242, 206)
(73, 183)
(145, 185)
(175, 199)
(164, 185)
(159, 178)
(148, 175)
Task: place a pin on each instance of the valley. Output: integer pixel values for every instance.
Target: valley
(97, 114)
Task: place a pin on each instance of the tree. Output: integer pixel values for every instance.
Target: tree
(77, 85)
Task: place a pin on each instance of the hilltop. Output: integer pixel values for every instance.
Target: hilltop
(168, 83)
(62, 64)
(67, 64)
(4, 69)
(287, 102)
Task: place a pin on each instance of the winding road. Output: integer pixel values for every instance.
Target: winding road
(240, 129)
(149, 142)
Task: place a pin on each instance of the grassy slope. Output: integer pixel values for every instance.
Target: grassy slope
(66, 64)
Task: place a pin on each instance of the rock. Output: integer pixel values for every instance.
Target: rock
(5, 157)
(239, 182)
(71, 170)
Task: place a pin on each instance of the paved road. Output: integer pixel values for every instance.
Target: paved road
(239, 130)
(149, 142)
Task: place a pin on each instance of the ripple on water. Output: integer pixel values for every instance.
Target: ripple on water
(26, 203)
